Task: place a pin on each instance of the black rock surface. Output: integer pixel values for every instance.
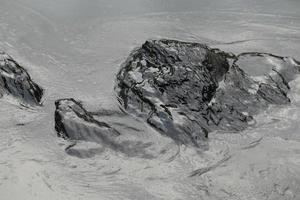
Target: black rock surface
(15, 81)
(186, 90)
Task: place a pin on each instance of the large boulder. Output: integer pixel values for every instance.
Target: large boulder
(186, 90)
(15, 81)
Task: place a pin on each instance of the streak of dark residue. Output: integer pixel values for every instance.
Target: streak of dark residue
(112, 173)
(204, 170)
(128, 127)
(84, 153)
(108, 113)
(175, 155)
(253, 144)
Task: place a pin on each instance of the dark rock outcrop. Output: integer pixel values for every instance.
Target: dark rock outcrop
(15, 81)
(186, 90)
(72, 121)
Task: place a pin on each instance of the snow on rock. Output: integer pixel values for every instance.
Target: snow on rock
(166, 80)
(15, 81)
(74, 122)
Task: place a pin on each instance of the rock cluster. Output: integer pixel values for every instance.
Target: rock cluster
(184, 90)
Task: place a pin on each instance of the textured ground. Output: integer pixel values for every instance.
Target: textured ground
(74, 49)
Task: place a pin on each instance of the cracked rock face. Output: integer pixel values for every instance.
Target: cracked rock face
(72, 121)
(186, 90)
(15, 81)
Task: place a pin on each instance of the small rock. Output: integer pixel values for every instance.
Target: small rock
(15, 81)
(72, 121)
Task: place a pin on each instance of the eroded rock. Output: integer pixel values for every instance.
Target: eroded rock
(186, 90)
(74, 122)
(15, 81)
